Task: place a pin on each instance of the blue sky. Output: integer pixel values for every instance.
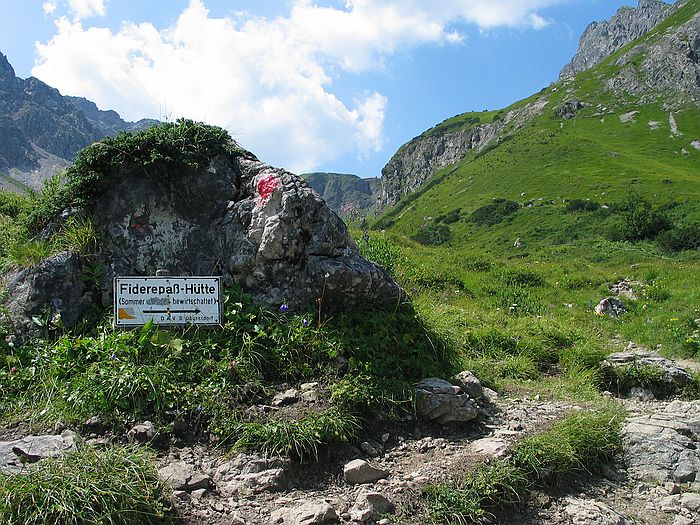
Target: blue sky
(309, 86)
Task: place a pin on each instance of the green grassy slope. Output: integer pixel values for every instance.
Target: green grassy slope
(597, 155)
(517, 295)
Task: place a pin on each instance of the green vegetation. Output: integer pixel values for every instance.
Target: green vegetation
(180, 147)
(493, 213)
(207, 379)
(579, 444)
(116, 486)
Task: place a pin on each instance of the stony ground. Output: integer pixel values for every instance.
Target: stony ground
(264, 492)
(377, 480)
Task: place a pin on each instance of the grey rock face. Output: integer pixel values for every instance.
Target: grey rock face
(41, 130)
(52, 286)
(569, 109)
(602, 39)
(348, 195)
(663, 446)
(470, 384)
(183, 476)
(141, 433)
(610, 306)
(371, 505)
(260, 227)
(309, 513)
(667, 67)
(584, 512)
(285, 247)
(19, 454)
(249, 474)
(440, 401)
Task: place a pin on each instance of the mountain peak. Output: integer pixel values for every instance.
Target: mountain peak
(7, 72)
(41, 130)
(602, 39)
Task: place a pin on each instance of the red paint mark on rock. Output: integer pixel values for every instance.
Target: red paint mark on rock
(266, 186)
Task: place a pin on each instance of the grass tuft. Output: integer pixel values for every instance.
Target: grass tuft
(113, 486)
(580, 443)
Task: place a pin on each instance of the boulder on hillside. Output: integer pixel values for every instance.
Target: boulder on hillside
(639, 367)
(611, 307)
(442, 402)
(568, 109)
(259, 227)
(19, 454)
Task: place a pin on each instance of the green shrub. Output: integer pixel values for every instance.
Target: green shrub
(679, 238)
(495, 212)
(159, 151)
(576, 205)
(622, 378)
(581, 443)
(450, 217)
(380, 249)
(13, 204)
(297, 438)
(639, 220)
(116, 486)
(469, 498)
(433, 234)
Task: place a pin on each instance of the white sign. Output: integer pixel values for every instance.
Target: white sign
(169, 301)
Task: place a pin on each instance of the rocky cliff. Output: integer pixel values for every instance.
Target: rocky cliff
(41, 130)
(348, 195)
(602, 39)
(418, 160)
(665, 67)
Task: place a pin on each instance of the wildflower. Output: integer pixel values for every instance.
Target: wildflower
(199, 408)
(305, 322)
(13, 369)
(284, 307)
(113, 357)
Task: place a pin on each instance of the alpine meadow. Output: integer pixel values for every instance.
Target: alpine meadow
(502, 328)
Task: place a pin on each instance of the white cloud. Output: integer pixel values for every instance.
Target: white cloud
(86, 8)
(269, 81)
(49, 7)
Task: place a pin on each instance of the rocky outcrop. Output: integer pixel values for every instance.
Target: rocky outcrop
(441, 401)
(666, 67)
(638, 367)
(17, 455)
(417, 161)
(663, 446)
(358, 472)
(248, 474)
(54, 286)
(602, 39)
(257, 226)
(41, 130)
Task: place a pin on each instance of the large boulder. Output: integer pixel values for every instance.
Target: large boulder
(257, 226)
(20, 454)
